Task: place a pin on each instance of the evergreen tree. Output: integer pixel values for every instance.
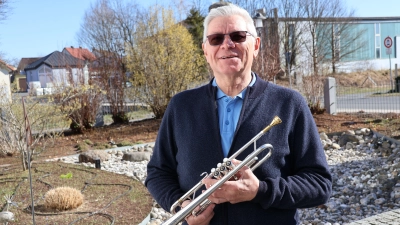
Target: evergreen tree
(195, 26)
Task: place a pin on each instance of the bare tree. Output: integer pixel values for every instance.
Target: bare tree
(291, 31)
(331, 30)
(163, 60)
(345, 37)
(253, 5)
(268, 63)
(200, 6)
(108, 28)
(5, 9)
(315, 11)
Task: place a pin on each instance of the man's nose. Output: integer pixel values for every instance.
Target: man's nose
(228, 41)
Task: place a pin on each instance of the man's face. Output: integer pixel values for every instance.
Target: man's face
(230, 58)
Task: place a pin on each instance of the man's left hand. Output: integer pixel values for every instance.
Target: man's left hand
(241, 190)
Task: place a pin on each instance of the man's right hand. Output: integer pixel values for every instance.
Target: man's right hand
(203, 219)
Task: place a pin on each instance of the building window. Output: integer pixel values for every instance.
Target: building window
(377, 29)
(378, 40)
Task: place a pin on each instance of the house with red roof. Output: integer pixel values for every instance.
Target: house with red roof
(40, 74)
(80, 53)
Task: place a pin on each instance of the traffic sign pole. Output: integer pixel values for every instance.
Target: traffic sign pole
(388, 42)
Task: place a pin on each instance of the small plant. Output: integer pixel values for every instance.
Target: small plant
(121, 117)
(66, 176)
(82, 147)
(98, 145)
(316, 108)
(88, 142)
(63, 198)
(125, 143)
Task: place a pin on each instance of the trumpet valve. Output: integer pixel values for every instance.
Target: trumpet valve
(229, 165)
(222, 168)
(216, 173)
(222, 172)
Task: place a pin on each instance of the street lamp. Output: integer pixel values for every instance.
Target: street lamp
(259, 17)
(258, 20)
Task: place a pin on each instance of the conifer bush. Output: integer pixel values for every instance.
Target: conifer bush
(63, 198)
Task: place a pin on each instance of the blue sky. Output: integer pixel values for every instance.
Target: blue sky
(374, 8)
(38, 27)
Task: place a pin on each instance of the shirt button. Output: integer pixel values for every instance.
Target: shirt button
(228, 110)
(226, 100)
(227, 122)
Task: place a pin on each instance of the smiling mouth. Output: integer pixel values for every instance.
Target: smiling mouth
(228, 57)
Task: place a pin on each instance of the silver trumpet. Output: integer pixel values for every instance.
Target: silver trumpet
(224, 172)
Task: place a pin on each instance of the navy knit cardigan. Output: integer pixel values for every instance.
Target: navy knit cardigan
(189, 143)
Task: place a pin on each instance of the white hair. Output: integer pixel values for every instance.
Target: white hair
(229, 10)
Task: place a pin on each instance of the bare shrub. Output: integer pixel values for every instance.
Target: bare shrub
(313, 89)
(80, 102)
(15, 137)
(63, 198)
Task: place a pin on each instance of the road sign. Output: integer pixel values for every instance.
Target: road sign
(388, 42)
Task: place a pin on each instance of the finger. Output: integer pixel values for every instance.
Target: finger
(203, 218)
(217, 200)
(185, 203)
(208, 182)
(236, 162)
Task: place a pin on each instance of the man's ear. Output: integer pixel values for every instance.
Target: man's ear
(203, 46)
(257, 46)
(204, 49)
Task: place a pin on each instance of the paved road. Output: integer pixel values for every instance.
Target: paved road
(386, 218)
(368, 102)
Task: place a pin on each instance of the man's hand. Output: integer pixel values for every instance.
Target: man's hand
(203, 219)
(244, 189)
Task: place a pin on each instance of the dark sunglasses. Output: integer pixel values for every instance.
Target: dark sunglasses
(237, 36)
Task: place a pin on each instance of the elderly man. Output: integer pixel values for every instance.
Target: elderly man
(203, 126)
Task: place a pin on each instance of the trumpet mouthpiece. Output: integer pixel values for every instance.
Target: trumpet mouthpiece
(275, 121)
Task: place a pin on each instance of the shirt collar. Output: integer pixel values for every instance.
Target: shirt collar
(221, 94)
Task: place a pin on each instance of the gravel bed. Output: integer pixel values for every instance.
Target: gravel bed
(365, 168)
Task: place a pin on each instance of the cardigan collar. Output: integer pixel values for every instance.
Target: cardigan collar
(256, 90)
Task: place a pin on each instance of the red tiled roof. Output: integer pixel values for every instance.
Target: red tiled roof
(81, 53)
(11, 68)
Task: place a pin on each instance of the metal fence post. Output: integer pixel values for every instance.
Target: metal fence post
(330, 95)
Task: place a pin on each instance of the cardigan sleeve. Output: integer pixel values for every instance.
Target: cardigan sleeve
(309, 183)
(162, 179)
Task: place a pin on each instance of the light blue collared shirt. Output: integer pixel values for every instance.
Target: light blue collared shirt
(229, 109)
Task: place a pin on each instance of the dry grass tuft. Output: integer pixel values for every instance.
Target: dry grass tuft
(63, 198)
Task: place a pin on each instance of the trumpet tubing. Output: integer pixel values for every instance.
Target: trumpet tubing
(224, 172)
